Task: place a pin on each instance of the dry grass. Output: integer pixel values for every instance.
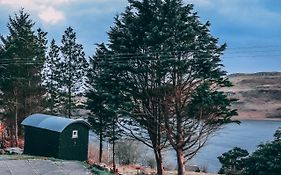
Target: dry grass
(93, 154)
(259, 96)
(135, 169)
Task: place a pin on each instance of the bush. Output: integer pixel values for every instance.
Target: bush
(266, 160)
(151, 163)
(127, 152)
(232, 161)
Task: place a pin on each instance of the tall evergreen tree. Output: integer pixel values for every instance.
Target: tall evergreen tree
(99, 118)
(103, 106)
(23, 54)
(51, 75)
(2, 68)
(73, 71)
(164, 65)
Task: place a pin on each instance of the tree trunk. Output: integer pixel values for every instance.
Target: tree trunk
(69, 102)
(113, 149)
(16, 123)
(52, 99)
(159, 161)
(181, 161)
(100, 150)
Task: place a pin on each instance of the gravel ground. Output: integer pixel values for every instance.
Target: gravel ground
(42, 167)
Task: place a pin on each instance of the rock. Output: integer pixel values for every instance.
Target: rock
(14, 150)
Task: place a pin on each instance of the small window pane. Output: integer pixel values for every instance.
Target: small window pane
(74, 134)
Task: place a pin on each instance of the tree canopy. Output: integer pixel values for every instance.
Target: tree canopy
(22, 56)
(164, 67)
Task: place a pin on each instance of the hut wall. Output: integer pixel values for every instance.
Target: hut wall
(41, 142)
(74, 148)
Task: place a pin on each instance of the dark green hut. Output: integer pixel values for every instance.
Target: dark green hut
(58, 137)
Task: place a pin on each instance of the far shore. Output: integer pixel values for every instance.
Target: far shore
(257, 118)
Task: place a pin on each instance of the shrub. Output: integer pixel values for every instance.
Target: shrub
(127, 152)
(264, 161)
(232, 161)
(151, 163)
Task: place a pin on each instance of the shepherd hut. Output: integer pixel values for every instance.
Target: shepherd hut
(53, 136)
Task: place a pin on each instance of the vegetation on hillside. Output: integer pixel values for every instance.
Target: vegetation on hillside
(259, 95)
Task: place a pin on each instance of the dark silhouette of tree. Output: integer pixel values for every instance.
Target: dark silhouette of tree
(163, 66)
(104, 106)
(96, 101)
(73, 70)
(22, 57)
(51, 76)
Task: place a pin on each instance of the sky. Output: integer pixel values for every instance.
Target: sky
(251, 28)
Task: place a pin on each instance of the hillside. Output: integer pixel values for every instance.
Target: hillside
(259, 95)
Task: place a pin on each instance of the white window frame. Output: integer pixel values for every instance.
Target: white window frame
(75, 134)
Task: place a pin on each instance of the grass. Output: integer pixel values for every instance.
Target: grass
(18, 157)
(99, 172)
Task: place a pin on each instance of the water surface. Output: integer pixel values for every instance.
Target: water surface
(248, 135)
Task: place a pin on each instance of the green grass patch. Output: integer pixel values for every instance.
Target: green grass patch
(99, 171)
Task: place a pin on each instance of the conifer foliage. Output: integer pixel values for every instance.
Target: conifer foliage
(103, 106)
(51, 75)
(22, 57)
(164, 65)
(64, 74)
(73, 71)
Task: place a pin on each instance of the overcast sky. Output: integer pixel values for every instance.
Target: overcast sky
(251, 28)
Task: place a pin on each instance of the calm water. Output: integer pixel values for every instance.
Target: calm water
(247, 135)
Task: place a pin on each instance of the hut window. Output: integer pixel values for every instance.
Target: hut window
(74, 134)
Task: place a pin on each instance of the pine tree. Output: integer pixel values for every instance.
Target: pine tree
(51, 75)
(23, 54)
(164, 67)
(73, 70)
(102, 105)
(2, 68)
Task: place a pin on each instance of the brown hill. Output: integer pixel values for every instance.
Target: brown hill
(259, 95)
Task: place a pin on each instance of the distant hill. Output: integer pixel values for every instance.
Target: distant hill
(259, 95)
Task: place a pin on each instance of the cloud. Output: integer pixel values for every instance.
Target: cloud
(46, 10)
(51, 16)
(53, 12)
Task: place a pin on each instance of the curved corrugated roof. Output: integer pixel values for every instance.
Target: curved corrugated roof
(50, 122)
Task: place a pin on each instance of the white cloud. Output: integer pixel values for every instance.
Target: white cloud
(51, 16)
(46, 10)
(15, 3)
(52, 12)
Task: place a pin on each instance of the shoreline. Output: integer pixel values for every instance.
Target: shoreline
(255, 119)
